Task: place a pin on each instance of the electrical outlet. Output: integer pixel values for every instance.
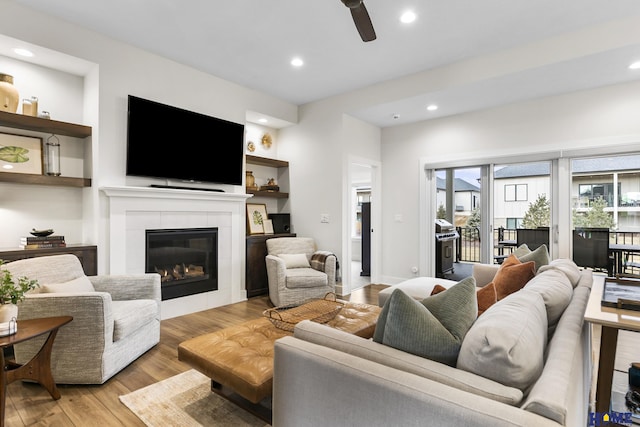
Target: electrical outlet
(324, 218)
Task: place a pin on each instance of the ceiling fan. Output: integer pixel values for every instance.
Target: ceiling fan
(361, 19)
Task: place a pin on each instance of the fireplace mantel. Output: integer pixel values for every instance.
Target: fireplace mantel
(132, 210)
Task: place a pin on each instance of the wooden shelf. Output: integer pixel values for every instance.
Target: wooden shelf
(64, 181)
(19, 121)
(263, 161)
(273, 194)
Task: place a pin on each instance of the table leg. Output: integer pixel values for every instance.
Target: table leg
(608, 343)
(38, 369)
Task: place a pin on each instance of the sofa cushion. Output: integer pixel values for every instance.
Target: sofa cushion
(305, 278)
(540, 256)
(567, 266)
(129, 316)
(556, 291)
(418, 288)
(295, 260)
(433, 328)
(367, 349)
(79, 284)
(512, 276)
(521, 250)
(486, 296)
(506, 344)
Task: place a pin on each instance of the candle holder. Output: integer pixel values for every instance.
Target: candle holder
(52, 153)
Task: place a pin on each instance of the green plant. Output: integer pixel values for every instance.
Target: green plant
(12, 291)
(538, 213)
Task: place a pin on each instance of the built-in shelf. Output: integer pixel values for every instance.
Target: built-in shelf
(274, 194)
(20, 121)
(264, 161)
(33, 179)
(37, 124)
(272, 163)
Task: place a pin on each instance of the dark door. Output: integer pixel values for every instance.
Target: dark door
(366, 239)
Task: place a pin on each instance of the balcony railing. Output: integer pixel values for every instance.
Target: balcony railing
(468, 246)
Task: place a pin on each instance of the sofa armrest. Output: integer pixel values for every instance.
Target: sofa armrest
(312, 383)
(276, 272)
(129, 287)
(484, 273)
(329, 267)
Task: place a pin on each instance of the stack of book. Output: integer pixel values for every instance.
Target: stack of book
(33, 242)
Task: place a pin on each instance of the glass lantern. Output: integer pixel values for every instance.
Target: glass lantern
(52, 156)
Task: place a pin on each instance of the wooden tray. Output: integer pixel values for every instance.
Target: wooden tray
(316, 310)
(622, 293)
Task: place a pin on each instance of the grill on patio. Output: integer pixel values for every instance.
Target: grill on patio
(446, 235)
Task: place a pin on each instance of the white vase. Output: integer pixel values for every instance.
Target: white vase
(8, 319)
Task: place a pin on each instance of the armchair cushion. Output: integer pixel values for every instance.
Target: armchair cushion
(129, 316)
(305, 278)
(295, 260)
(80, 284)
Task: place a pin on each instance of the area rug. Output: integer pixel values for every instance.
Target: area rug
(186, 400)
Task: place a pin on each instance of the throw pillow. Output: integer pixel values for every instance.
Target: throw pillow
(432, 328)
(79, 284)
(507, 343)
(540, 256)
(512, 276)
(295, 260)
(485, 295)
(523, 249)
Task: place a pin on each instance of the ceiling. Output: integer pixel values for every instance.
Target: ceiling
(251, 42)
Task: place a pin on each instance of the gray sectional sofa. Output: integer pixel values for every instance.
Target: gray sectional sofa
(323, 376)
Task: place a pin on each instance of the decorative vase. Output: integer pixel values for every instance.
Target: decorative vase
(9, 96)
(8, 319)
(250, 180)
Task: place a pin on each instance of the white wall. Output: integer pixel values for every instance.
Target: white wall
(121, 70)
(600, 117)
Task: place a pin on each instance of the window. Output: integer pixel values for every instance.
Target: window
(515, 193)
(590, 192)
(514, 223)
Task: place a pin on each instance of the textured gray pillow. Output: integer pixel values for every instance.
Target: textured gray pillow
(433, 328)
(540, 256)
(556, 291)
(507, 343)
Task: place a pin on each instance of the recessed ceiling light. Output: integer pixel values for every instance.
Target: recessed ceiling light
(263, 120)
(407, 17)
(297, 62)
(432, 107)
(23, 52)
(635, 66)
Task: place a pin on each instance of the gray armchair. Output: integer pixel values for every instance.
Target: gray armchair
(297, 271)
(115, 318)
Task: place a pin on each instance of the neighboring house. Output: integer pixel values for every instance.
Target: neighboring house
(516, 186)
(467, 198)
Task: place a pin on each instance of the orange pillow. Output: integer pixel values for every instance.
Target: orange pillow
(512, 276)
(487, 296)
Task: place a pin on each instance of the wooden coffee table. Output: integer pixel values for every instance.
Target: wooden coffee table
(37, 369)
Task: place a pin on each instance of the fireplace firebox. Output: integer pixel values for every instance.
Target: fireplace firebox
(186, 259)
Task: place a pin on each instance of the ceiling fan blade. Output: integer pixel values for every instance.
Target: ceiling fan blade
(363, 23)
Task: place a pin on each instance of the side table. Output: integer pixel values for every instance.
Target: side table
(37, 369)
(612, 320)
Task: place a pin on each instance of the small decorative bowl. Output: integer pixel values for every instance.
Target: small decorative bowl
(42, 233)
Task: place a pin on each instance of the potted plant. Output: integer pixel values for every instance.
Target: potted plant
(12, 291)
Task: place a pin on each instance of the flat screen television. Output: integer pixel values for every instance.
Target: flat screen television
(175, 144)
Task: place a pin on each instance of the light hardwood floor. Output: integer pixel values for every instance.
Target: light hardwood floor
(30, 405)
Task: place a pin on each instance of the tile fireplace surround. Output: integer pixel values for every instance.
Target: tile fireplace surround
(132, 210)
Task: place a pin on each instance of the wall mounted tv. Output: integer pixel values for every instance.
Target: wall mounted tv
(175, 144)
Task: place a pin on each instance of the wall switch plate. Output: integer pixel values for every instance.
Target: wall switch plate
(324, 218)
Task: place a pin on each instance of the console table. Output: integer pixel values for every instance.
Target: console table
(37, 369)
(87, 254)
